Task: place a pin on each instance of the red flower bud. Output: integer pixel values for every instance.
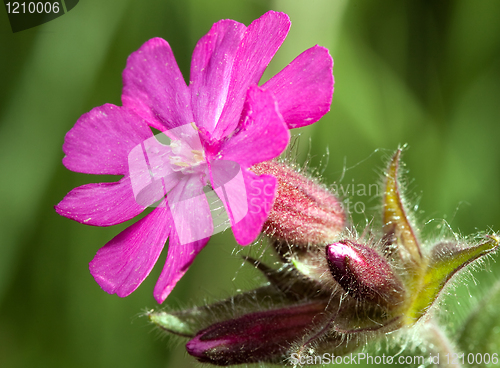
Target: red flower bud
(364, 274)
(256, 337)
(304, 212)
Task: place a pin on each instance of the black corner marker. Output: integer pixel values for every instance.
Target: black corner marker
(27, 14)
(70, 4)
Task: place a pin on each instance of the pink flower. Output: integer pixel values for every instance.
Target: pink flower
(220, 125)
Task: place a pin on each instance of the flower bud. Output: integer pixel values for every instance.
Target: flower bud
(364, 274)
(304, 212)
(264, 336)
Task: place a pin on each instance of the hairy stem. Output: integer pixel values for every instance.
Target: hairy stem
(443, 351)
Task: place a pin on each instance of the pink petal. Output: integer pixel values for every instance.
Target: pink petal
(261, 134)
(211, 67)
(124, 262)
(228, 183)
(260, 191)
(262, 39)
(151, 173)
(192, 227)
(191, 217)
(154, 87)
(304, 88)
(179, 258)
(102, 204)
(101, 139)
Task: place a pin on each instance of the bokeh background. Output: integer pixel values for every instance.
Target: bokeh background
(425, 73)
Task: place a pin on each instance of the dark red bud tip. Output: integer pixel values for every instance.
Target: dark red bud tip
(363, 273)
(256, 337)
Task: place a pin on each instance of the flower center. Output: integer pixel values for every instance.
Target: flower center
(186, 159)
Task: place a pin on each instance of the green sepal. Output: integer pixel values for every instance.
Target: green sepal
(398, 231)
(188, 322)
(285, 287)
(446, 259)
(173, 323)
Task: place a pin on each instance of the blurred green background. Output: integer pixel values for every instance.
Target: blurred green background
(426, 73)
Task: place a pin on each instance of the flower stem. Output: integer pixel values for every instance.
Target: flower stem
(443, 352)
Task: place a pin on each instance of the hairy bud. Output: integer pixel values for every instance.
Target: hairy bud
(363, 273)
(304, 212)
(257, 337)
